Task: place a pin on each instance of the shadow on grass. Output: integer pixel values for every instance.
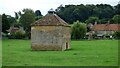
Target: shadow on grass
(49, 50)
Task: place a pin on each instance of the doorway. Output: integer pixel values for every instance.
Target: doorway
(66, 45)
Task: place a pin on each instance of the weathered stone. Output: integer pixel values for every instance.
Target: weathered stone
(51, 36)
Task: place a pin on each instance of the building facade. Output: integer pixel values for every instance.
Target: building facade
(105, 29)
(50, 33)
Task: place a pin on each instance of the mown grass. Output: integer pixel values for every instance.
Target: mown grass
(82, 53)
(0, 53)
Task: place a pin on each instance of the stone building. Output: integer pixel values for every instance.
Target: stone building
(105, 29)
(14, 29)
(50, 33)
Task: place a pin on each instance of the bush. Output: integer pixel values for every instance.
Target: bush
(106, 36)
(11, 35)
(116, 35)
(78, 30)
(17, 35)
(94, 36)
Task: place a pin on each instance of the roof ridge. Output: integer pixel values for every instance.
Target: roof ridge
(105, 27)
(50, 20)
(57, 17)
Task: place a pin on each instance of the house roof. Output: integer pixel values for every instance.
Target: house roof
(103, 27)
(50, 20)
(14, 29)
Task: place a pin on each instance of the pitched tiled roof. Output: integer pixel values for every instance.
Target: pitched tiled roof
(14, 29)
(103, 27)
(50, 20)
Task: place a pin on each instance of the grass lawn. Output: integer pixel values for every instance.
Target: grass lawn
(0, 53)
(83, 53)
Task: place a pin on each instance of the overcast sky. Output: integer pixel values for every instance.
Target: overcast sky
(10, 6)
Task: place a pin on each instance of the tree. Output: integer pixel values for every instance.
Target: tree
(0, 23)
(26, 19)
(19, 13)
(92, 20)
(117, 9)
(11, 19)
(16, 15)
(103, 11)
(38, 14)
(66, 12)
(5, 23)
(71, 13)
(117, 34)
(78, 30)
(0, 19)
(116, 19)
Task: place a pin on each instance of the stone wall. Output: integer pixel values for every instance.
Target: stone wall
(50, 37)
(105, 32)
(67, 37)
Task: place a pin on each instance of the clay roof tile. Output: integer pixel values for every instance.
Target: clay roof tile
(103, 27)
(50, 20)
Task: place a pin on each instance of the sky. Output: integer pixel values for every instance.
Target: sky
(10, 6)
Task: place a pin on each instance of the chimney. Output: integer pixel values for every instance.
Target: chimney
(108, 22)
(95, 23)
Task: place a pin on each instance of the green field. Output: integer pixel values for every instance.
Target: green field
(0, 53)
(82, 53)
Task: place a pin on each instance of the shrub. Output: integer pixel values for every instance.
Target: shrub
(117, 35)
(106, 36)
(19, 34)
(12, 35)
(94, 36)
(78, 30)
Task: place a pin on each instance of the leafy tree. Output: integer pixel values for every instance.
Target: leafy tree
(116, 19)
(103, 11)
(92, 20)
(11, 19)
(19, 13)
(117, 34)
(26, 19)
(71, 13)
(78, 30)
(0, 19)
(16, 15)
(5, 23)
(117, 9)
(90, 9)
(105, 20)
(38, 14)
(0, 23)
(66, 12)
(60, 12)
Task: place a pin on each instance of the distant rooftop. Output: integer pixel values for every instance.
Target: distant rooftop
(106, 27)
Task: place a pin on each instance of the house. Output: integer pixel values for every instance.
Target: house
(14, 28)
(105, 29)
(50, 33)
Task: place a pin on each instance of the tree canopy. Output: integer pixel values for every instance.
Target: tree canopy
(26, 19)
(7, 21)
(103, 12)
(78, 30)
(38, 14)
(92, 20)
(116, 19)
